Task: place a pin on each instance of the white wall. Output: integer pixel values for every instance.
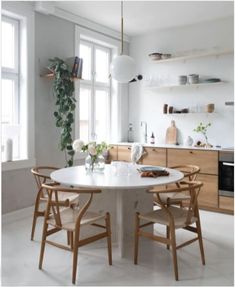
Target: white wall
(145, 105)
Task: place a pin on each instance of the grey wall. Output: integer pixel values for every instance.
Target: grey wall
(53, 37)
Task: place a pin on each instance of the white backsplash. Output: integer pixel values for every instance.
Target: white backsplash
(147, 105)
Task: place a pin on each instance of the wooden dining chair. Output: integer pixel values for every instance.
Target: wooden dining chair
(42, 175)
(174, 217)
(71, 220)
(190, 173)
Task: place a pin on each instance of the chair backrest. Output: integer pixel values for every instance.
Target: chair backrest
(192, 187)
(42, 175)
(190, 171)
(53, 203)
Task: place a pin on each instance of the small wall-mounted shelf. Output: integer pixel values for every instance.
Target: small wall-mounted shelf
(51, 76)
(215, 53)
(171, 87)
(190, 113)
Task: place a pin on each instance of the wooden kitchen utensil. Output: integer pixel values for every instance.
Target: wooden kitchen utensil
(171, 134)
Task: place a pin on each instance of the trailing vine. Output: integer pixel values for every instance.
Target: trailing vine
(63, 89)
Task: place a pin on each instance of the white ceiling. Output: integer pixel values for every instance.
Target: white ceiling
(144, 16)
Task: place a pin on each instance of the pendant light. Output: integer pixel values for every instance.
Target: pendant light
(122, 67)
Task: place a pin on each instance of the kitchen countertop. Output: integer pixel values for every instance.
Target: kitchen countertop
(178, 146)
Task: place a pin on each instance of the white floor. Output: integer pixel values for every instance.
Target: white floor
(20, 258)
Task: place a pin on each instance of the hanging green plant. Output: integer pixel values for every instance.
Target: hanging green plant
(63, 89)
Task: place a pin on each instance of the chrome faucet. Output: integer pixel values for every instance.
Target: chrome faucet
(144, 124)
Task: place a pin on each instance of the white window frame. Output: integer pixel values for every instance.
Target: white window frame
(16, 24)
(94, 85)
(25, 16)
(14, 75)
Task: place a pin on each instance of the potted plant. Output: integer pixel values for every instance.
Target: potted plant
(201, 128)
(65, 102)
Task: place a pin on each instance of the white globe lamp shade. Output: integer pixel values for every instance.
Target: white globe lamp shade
(122, 69)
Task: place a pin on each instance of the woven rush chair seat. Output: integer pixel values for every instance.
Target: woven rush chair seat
(161, 216)
(68, 218)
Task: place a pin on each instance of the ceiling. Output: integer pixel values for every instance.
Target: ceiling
(144, 16)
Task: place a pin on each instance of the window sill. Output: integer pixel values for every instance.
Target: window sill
(18, 164)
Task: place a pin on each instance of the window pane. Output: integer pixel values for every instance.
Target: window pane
(9, 119)
(84, 113)
(11, 132)
(8, 101)
(85, 54)
(8, 45)
(102, 65)
(101, 114)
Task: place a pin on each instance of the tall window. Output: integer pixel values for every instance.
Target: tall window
(10, 95)
(94, 100)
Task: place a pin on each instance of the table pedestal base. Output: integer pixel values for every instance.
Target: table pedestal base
(122, 206)
(128, 203)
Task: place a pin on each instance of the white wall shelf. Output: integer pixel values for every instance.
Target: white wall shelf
(171, 87)
(190, 113)
(184, 58)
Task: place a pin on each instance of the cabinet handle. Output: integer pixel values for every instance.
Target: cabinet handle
(129, 148)
(228, 163)
(191, 152)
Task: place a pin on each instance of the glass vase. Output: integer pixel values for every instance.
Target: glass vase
(95, 163)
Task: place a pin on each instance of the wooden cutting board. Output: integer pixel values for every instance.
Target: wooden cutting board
(171, 134)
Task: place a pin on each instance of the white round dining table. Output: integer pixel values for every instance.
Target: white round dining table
(123, 194)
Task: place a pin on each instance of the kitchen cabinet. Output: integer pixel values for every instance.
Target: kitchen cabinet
(206, 160)
(154, 156)
(208, 163)
(208, 196)
(226, 203)
(112, 153)
(124, 153)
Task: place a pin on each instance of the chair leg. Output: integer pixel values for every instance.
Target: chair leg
(167, 236)
(199, 232)
(71, 239)
(33, 225)
(109, 242)
(68, 238)
(173, 247)
(75, 255)
(136, 248)
(43, 243)
(35, 215)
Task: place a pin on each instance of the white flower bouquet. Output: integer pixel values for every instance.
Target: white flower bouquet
(93, 149)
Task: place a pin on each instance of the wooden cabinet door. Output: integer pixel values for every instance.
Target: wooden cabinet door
(124, 153)
(206, 160)
(226, 203)
(113, 153)
(154, 156)
(208, 196)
